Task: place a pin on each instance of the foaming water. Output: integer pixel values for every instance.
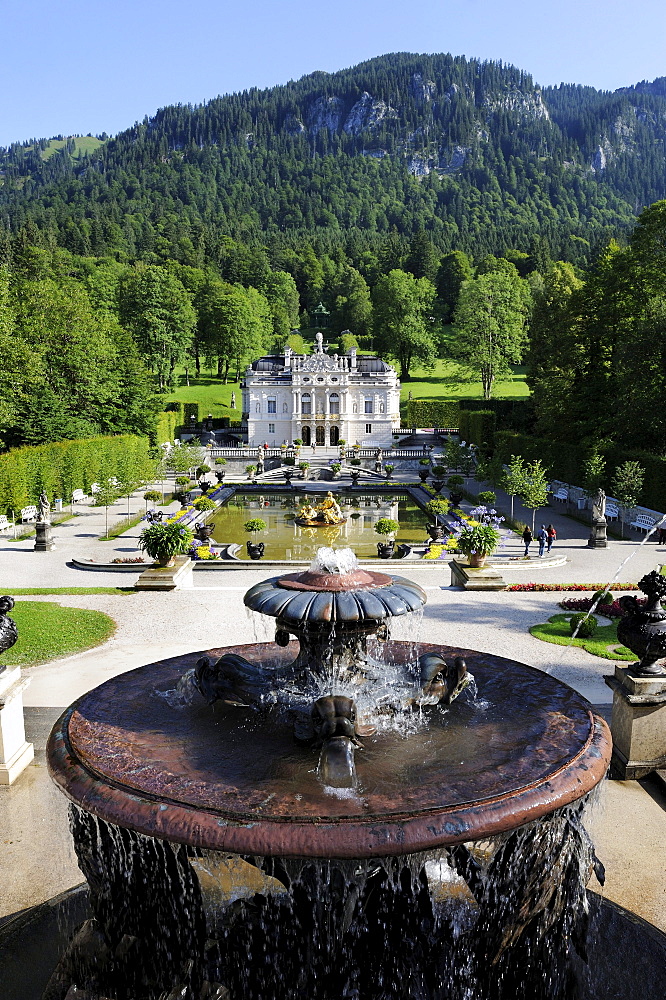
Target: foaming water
(339, 561)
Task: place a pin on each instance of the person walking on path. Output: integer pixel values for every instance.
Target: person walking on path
(528, 538)
(552, 535)
(542, 538)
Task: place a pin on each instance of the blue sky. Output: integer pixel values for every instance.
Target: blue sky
(70, 66)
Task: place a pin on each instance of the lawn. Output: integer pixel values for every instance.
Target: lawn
(603, 643)
(48, 630)
(213, 395)
(448, 381)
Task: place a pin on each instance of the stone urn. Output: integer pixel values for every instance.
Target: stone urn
(455, 498)
(437, 484)
(423, 474)
(435, 531)
(255, 550)
(355, 476)
(220, 476)
(385, 549)
(643, 627)
(203, 531)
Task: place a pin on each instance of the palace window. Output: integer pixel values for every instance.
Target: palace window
(272, 405)
(306, 403)
(368, 428)
(334, 402)
(271, 428)
(368, 406)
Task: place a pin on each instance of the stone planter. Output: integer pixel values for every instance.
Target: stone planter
(477, 560)
(435, 531)
(423, 474)
(255, 550)
(385, 549)
(455, 498)
(165, 561)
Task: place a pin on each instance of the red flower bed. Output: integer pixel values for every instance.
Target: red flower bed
(527, 587)
(608, 610)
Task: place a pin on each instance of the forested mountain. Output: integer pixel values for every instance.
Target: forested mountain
(473, 153)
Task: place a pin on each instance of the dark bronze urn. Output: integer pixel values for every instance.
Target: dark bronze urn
(643, 627)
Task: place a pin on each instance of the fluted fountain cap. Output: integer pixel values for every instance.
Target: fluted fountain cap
(335, 589)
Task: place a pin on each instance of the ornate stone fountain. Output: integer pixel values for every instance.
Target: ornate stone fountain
(416, 811)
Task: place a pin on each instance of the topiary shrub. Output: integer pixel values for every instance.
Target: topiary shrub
(255, 524)
(202, 470)
(439, 471)
(386, 526)
(438, 506)
(289, 461)
(220, 461)
(584, 623)
(204, 503)
(152, 496)
(183, 480)
(354, 461)
(488, 498)
(603, 597)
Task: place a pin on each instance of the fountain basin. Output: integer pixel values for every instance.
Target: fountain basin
(235, 780)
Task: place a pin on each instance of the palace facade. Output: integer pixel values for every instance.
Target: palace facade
(321, 399)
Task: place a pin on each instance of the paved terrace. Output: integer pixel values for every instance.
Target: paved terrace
(36, 857)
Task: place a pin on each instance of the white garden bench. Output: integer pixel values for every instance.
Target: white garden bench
(561, 494)
(29, 513)
(95, 488)
(643, 522)
(5, 523)
(612, 512)
(78, 496)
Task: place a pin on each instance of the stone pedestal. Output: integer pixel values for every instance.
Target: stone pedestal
(15, 753)
(638, 723)
(475, 578)
(44, 540)
(176, 577)
(598, 539)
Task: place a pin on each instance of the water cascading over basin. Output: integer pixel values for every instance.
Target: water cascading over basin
(324, 756)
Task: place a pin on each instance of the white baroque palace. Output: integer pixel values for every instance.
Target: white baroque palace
(321, 399)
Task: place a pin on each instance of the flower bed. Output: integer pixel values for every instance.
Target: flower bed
(608, 610)
(539, 587)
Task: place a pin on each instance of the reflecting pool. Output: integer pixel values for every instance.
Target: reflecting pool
(284, 539)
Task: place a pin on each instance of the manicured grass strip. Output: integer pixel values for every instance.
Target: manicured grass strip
(31, 591)
(48, 630)
(122, 526)
(603, 643)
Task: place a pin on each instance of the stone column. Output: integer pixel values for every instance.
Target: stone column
(638, 723)
(15, 753)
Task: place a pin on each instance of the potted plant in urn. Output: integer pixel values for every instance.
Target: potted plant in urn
(437, 508)
(425, 469)
(438, 472)
(304, 466)
(389, 470)
(386, 526)
(255, 550)
(163, 542)
(477, 542)
(220, 471)
(335, 469)
(455, 494)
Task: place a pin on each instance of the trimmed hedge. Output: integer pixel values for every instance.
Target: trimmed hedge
(478, 427)
(510, 414)
(433, 413)
(564, 460)
(65, 466)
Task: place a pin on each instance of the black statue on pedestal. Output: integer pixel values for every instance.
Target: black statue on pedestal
(8, 630)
